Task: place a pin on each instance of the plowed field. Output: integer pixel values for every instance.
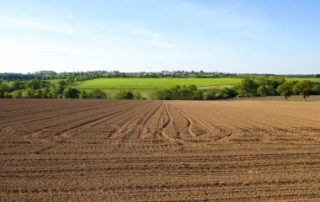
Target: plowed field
(73, 150)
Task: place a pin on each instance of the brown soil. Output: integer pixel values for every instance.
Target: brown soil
(73, 150)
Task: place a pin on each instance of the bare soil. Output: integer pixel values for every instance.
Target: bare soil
(89, 150)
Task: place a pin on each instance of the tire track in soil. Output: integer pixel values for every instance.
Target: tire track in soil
(64, 133)
(163, 134)
(90, 108)
(77, 119)
(148, 133)
(142, 132)
(128, 120)
(135, 125)
(189, 123)
(209, 131)
(44, 111)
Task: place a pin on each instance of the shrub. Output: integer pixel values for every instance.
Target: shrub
(83, 94)
(3, 89)
(72, 93)
(7, 95)
(189, 92)
(17, 94)
(53, 92)
(216, 94)
(37, 84)
(138, 96)
(97, 94)
(126, 95)
(18, 85)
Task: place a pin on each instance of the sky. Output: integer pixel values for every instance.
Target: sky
(238, 36)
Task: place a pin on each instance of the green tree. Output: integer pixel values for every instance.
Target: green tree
(24, 93)
(276, 81)
(83, 94)
(61, 86)
(17, 94)
(304, 88)
(123, 94)
(218, 93)
(197, 95)
(37, 84)
(7, 95)
(45, 93)
(3, 89)
(28, 93)
(18, 85)
(70, 80)
(285, 89)
(185, 92)
(97, 94)
(72, 93)
(38, 93)
(164, 94)
(53, 92)
(263, 90)
(247, 88)
(138, 96)
(316, 89)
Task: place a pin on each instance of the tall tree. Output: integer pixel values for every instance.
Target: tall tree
(285, 89)
(304, 88)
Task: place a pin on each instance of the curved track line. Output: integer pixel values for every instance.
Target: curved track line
(189, 123)
(64, 133)
(162, 132)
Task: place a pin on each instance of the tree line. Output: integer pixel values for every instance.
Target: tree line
(37, 88)
(255, 87)
(248, 87)
(80, 76)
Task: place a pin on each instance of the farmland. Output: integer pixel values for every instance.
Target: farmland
(164, 83)
(148, 86)
(90, 87)
(84, 150)
(154, 83)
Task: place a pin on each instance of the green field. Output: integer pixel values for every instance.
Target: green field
(147, 86)
(153, 83)
(301, 79)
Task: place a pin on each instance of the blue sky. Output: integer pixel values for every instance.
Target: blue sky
(243, 36)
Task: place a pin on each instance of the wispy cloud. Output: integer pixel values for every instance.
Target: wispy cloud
(213, 9)
(38, 46)
(138, 33)
(153, 38)
(236, 16)
(35, 25)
